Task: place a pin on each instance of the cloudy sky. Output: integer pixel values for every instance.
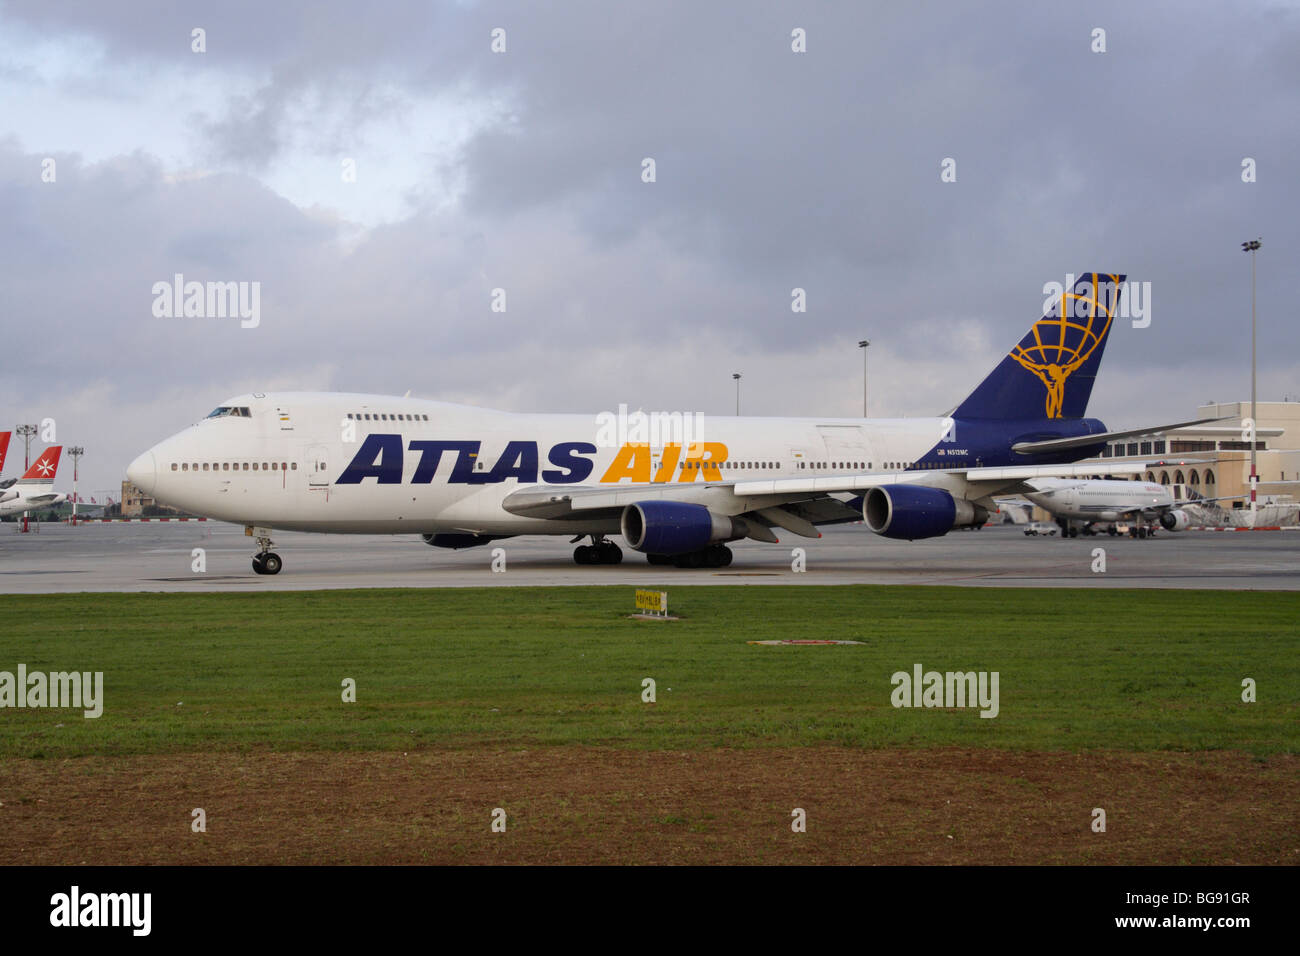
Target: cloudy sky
(521, 170)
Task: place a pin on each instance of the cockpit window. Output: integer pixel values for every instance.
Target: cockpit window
(231, 411)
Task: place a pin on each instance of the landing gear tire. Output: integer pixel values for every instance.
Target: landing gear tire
(659, 559)
(265, 561)
(268, 562)
(603, 552)
(714, 556)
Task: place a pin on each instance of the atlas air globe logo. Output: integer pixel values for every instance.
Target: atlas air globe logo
(1062, 343)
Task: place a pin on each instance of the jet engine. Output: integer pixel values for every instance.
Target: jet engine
(1176, 520)
(913, 511)
(670, 527)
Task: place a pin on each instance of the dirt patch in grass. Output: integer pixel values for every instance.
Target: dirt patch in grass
(585, 805)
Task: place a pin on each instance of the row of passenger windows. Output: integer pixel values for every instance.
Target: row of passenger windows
(866, 466)
(377, 417)
(693, 464)
(234, 466)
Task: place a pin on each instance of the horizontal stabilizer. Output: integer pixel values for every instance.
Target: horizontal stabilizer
(1082, 441)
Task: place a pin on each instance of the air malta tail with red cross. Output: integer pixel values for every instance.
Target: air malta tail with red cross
(35, 489)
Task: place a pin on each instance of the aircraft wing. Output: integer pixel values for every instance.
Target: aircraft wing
(1200, 500)
(40, 499)
(796, 504)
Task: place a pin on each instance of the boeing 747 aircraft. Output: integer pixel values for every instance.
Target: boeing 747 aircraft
(460, 476)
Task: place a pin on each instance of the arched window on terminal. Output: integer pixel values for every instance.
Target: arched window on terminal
(1164, 477)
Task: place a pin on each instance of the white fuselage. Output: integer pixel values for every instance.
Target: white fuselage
(1099, 500)
(25, 499)
(290, 461)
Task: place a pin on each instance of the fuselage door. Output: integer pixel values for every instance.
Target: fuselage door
(318, 466)
(846, 446)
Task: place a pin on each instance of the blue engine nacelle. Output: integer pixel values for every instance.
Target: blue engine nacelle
(912, 511)
(670, 527)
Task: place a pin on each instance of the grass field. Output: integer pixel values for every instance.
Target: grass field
(478, 668)
(531, 701)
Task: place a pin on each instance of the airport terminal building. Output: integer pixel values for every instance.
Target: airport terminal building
(1214, 459)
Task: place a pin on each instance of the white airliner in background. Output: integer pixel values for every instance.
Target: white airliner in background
(459, 476)
(35, 489)
(1099, 501)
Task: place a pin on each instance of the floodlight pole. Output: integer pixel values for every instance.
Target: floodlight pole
(736, 376)
(28, 432)
(1252, 247)
(76, 451)
(863, 345)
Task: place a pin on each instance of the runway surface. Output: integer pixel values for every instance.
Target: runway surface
(159, 557)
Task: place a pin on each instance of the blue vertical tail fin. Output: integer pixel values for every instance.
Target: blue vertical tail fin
(1051, 372)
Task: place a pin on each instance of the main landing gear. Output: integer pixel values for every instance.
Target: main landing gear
(599, 551)
(266, 561)
(714, 556)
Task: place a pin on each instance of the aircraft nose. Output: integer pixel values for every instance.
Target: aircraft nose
(143, 473)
